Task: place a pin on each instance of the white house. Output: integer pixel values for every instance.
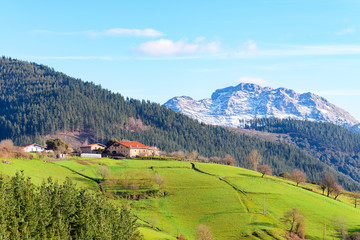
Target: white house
(34, 147)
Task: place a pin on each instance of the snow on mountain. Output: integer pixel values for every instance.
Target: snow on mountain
(232, 105)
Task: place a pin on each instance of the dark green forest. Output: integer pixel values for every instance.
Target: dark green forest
(335, 146)
(36, 100)
(60, 211)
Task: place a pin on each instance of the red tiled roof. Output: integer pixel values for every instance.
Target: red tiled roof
(132, 144)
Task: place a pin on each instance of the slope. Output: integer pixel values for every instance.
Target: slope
(335, 146)
(228, 199)
(35, 101)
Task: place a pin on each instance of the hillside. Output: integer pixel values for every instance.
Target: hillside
(36, 101)
(232, 106)
(335, 146)
(228, 199)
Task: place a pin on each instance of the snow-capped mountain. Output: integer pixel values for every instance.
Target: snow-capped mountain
(232, 105)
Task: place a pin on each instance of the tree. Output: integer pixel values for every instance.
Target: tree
(57, 145)
(60, 211)
(110, 142)
(192, 156)
(178, 154)
(298, 176)
(159, 180)
(295, 222)
(340, 227)
(254, 158)
(323, 188)
(103, 171)
(203, 232)
(337, 189)
(203, 159)
(356, 197)
(229, 160)
(265, 169)
(215, 159)
(329, 182)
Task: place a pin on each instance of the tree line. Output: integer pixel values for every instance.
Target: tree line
(60, 211)
(334, 145)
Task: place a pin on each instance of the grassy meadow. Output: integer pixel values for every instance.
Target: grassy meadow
(230, 200)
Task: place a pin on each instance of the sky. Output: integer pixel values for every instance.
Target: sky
(156, 50)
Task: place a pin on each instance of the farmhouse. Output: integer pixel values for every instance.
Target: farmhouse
(131, 149)
(92, 148)
(33, 147)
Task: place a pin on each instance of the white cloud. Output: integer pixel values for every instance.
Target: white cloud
(288, 51)
(132, 32)
(346, 31)
(258, 81)
(149, 32)
(165, 47)
(247, 49)
(250, 45)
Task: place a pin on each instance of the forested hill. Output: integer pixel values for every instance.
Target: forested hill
(36, 100)
(336, 146)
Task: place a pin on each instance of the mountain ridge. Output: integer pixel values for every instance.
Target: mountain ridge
(233, 105)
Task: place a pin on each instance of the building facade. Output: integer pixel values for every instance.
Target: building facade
(131, 149)
(33, 147)
(93, 148)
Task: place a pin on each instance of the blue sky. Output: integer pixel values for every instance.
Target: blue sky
(156, 50)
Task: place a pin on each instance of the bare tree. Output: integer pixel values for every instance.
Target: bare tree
(298, 176)
(7, 144)
(295, 222)
(340, 227)
(192, 156)
(136, 125)
(323, 188)
(203, 232)
(229, 160)
(265, 169)
(329, 182)
(178, 154)
(338, 189)
(356, 197)
(203, 159)
(159, 180)
(254, 159)
(103, 171)
(215, 159)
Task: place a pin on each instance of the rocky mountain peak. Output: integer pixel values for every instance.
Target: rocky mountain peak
(231, 105)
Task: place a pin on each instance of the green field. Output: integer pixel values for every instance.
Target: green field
(230, 200)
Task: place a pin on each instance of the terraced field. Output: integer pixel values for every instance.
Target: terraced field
(228, 199)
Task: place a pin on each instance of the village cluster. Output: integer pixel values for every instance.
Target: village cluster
(97, 150)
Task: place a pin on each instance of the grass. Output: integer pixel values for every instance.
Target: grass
(230, 200)
(40, 170)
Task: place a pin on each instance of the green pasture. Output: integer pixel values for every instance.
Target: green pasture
(40, 170)
(230, 200)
